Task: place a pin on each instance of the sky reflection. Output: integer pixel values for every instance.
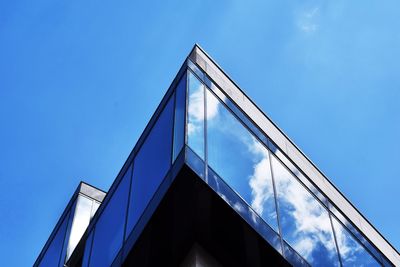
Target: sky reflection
(247, 166)
(195, 124)
(351, 252)
(305, 222)
(237, 156)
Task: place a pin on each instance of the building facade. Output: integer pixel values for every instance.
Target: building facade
(212, 181)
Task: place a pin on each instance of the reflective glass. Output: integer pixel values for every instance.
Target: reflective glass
(242, 208)
(195, 163)
(293, 257)
(53, 253)
(240, 159)
(196, 69)
(195, 123)
(179, 122)
(88, 248)
(95, 207)
(109, 232)
(80, 222)
(68, 233)
(151, 165)
(351, 252)
(304, 221)
(357, 234)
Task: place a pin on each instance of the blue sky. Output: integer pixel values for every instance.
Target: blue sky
(80, 79)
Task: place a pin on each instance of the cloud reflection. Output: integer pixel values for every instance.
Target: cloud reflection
(305, 222)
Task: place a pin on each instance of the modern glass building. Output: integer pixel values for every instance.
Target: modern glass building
(212, 181)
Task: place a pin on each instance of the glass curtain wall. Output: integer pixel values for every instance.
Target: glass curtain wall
(52, 256)
(236, 151)
(146, 172)
(69, 232)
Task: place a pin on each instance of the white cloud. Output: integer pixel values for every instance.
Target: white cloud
(196, 108)
(307, 20)
(312, 221)
(196, 105)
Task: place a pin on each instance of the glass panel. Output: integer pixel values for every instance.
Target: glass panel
(95, 207)
(80, 223)
(68, 233)
(195, 163)
(110, 226)
(195, 124)
(292, 256)
(88, 248)
(196, 69)
(179, 123)
(349, 226)
(242, 208)
(351, 252)
(304, 221)
(240, 159)
(53, 253)
(151, 165)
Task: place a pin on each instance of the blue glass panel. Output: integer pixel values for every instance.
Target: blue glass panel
(195, 123)
(88, 248)
(109, 232)
(305, 223)
(351, 252)
(179, 122)
(53, 253)
(151, 165)
(240, 159)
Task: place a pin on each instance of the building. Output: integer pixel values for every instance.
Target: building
(71, 226)
(212, 181)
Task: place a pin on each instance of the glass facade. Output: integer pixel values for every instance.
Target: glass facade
(195, 122)
(236, 153)
(148, 168)
(107, 241)
(53, 253)
(84, 214)
(238, 161)
(151, 165)
(70, 230)
(305, 223)
(179, 117)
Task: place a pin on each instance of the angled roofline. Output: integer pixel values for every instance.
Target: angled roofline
(84, 189)
(293, 152)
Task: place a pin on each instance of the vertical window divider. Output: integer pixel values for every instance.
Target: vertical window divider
(127, 204)
(173, 124)
(186, 107)
(334, 236)
(205, 135)
(276, 201)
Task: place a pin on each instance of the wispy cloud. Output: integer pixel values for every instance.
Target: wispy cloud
(307, 20)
